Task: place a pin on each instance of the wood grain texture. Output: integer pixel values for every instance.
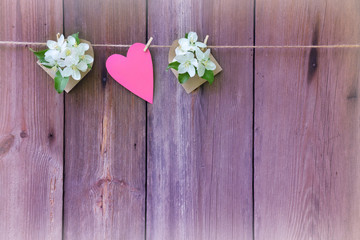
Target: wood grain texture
(307, 183)
(105, 130)
(31, 126)
(200, 145)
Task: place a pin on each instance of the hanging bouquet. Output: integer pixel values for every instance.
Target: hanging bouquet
(191, 60)
(66, 58)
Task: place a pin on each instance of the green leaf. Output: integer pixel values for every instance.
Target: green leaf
(186, 35)
(76, 36)
(46, 66)
(60, 82)
(40, 54)
(174, 65)
(209, 76)
(89, 66)
(183, 77)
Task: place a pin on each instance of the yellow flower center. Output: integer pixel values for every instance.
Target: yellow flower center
(68, 52)
(74, 67)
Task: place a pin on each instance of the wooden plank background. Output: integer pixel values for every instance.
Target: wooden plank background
(105, 147)
(269, 151)
(31, 126)
(306, 122)
(200, 145)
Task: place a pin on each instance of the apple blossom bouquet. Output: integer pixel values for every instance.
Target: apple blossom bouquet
(190, 59)
(66, 57)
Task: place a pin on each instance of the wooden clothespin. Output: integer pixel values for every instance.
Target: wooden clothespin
(205, 41)
(148, 44)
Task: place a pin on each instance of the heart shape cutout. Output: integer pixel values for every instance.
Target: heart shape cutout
(72, 83)
(134, 72)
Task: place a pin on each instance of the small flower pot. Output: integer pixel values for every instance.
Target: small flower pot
(192, 83)
(72, 83)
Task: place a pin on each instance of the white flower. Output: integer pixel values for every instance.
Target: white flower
(184, 46)
(187, 63)
(87, 59)
(82, 48)
(68, 57)
(71, 41)
(55, 47)
(204, 62)
(69, 51)
(50, 61)
(72, 67)
(189, 44)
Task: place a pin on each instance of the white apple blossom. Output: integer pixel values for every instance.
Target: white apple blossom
(55, 47)
(204, 62)
(187, 63)
(184, 46)
(189, 44)
(72, 67)
(67, 56)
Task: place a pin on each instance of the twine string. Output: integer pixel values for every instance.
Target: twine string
(215, 46)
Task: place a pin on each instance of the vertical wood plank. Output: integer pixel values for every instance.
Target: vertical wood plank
(200, 145)
(307, 183)
(105, 130)
(31, 126)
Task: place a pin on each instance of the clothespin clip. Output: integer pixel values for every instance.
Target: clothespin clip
(205, 41)
(148, 44)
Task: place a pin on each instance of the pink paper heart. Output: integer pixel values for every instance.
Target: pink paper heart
(134, 72)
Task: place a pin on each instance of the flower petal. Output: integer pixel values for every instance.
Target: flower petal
(67, 72)
(199, 54)
(82, 66)
(51, 44)
(61, 63)
(193, 37)
(210, 65)
(88, 59)
(52, 53)
(182, 68)
(61, 40)
(181, 58)
(194, 62)
(179, 51)
(183, 42)
(200, 44)
(207, 54)
(83, 47)
(191, 71)
(201, 70)
(71, 40)
(189, 56)
(76, 75)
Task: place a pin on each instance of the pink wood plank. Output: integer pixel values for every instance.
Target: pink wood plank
(200, 145)
(307, 183)
(105, 130)
(31, 126)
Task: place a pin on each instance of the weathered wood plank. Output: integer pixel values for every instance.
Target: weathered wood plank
(105, 130)
(200, 145)
(31, 126)
(307, 137)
